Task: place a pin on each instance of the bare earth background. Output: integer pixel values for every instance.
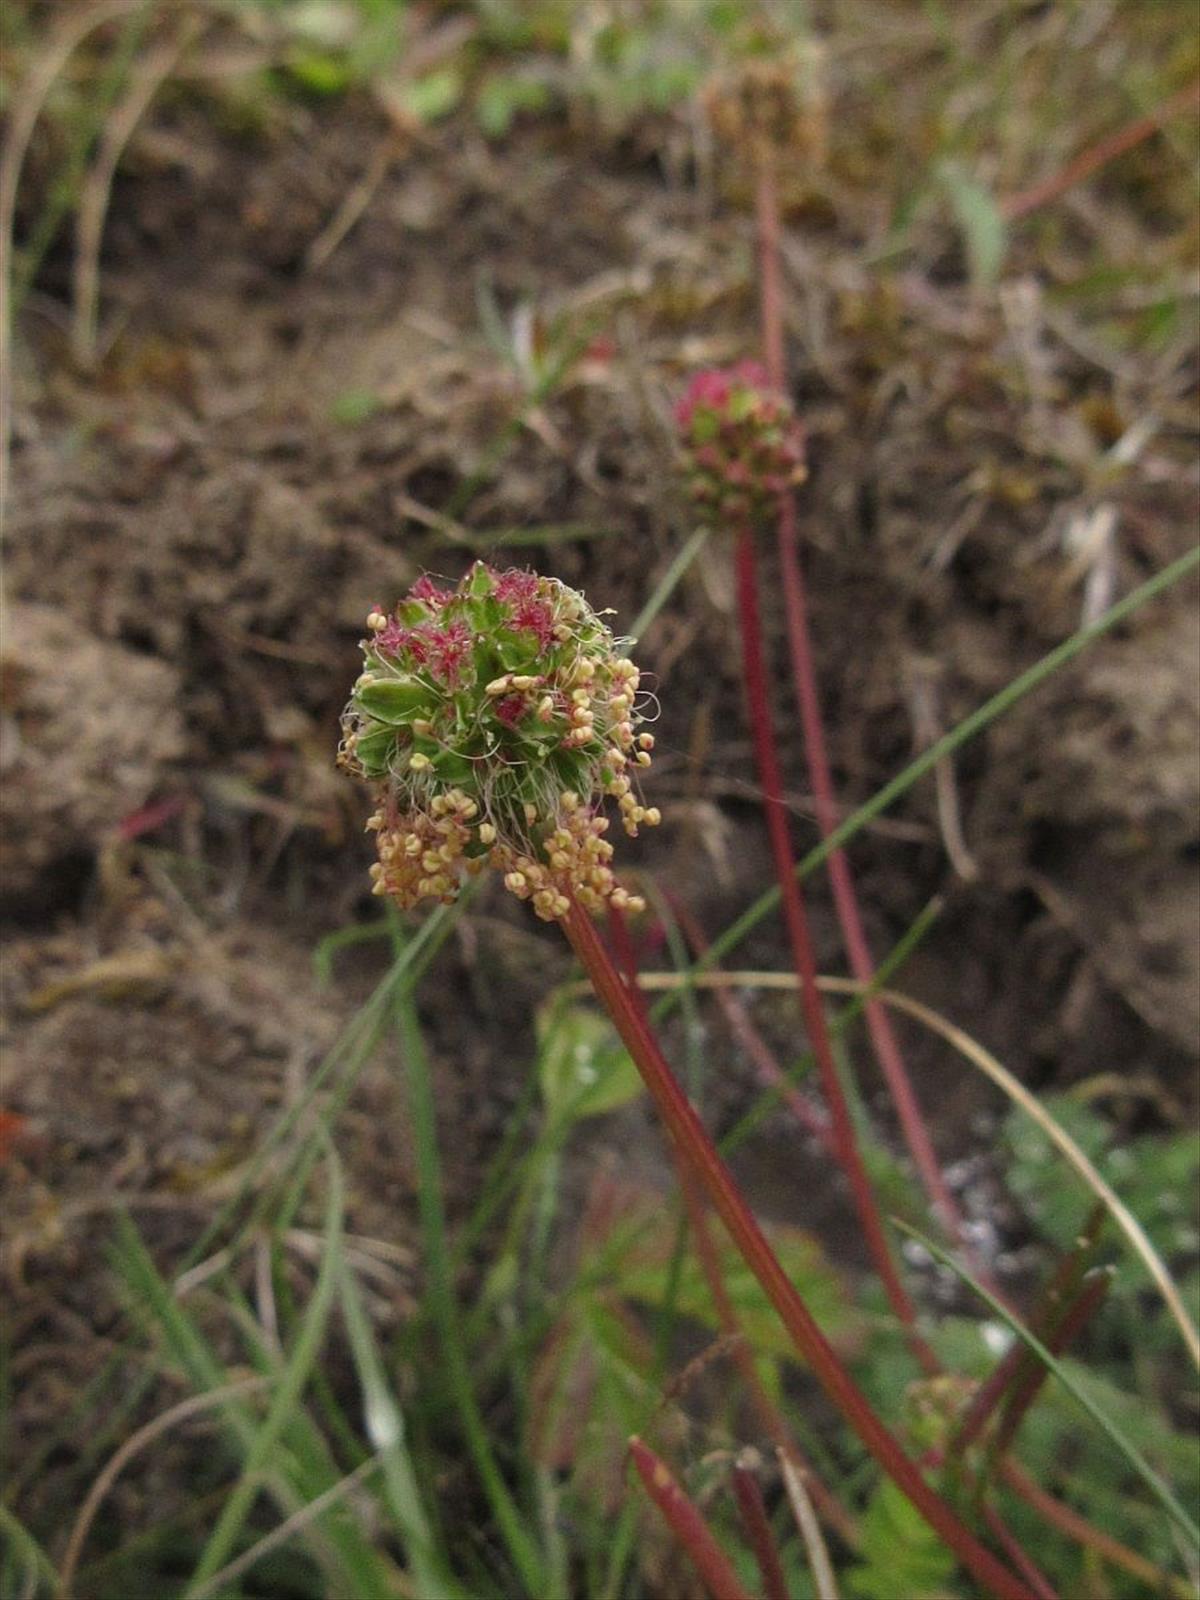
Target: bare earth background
(198, 526)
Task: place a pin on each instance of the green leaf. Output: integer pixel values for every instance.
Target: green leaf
(902, 1555)
(644, 1272)
(395, 700)
(582, 1071)
(354, 406)
(431, 97)
(978, 216)
(501, 98)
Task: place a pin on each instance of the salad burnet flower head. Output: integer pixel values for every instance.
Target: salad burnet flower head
(493, 720)
(742, 440)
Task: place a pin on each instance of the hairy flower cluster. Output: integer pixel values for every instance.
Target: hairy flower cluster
(493, 720)
(743, 443)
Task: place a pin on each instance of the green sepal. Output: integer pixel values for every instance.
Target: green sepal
(452, 767)
(374, 751)
(395, 700)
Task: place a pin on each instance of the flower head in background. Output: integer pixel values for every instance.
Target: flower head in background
(493, 720)
(743, 443)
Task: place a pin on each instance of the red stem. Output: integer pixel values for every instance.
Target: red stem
(1064, 1281)
(683, 1518)
(769, 1417)
(772, 1075)
(1069, 1522)
(1032, 1374)
(766, 755)
(1098, 155)
(689, 1135)
(1033, 1575)
(804, 677)
(758, 1530)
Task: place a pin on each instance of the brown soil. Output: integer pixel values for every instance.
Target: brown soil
(195, 538)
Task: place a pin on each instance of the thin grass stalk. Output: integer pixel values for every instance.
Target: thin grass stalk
(800, 1501)
(690, 1136)
(683, 1517)
(755, 677)
(804, 678)
(758, 1532)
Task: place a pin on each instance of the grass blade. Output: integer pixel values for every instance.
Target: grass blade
(385, 1428)
(522, 1548)
(287, 1393)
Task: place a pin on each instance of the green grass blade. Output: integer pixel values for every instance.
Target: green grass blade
(1137, 1462)
(522, 1548)
(22, 1546)
(665, 586)
(291, 1385)
(385, 1429)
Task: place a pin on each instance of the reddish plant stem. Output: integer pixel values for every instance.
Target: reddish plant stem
(1033, 1575)
(691, 1138)
(767, 758)
(682, 1516)
(758, 1531)
(1031, 1375)
(1098, 155)
(1068, 1521)
(769, 1417)
(879, 1025)
(752, 1042)
(1064, 1281)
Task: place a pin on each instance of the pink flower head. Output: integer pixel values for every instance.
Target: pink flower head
(429, 591)
(510, 709)
(743, 442)
(712, 389)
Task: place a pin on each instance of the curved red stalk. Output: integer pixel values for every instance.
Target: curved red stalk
(683, 1518)
(766, 756)
(772, 1075)
(690, 1137)
(758, 1530)
(879, 1025)
(769, 1417)
(1098, 155)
